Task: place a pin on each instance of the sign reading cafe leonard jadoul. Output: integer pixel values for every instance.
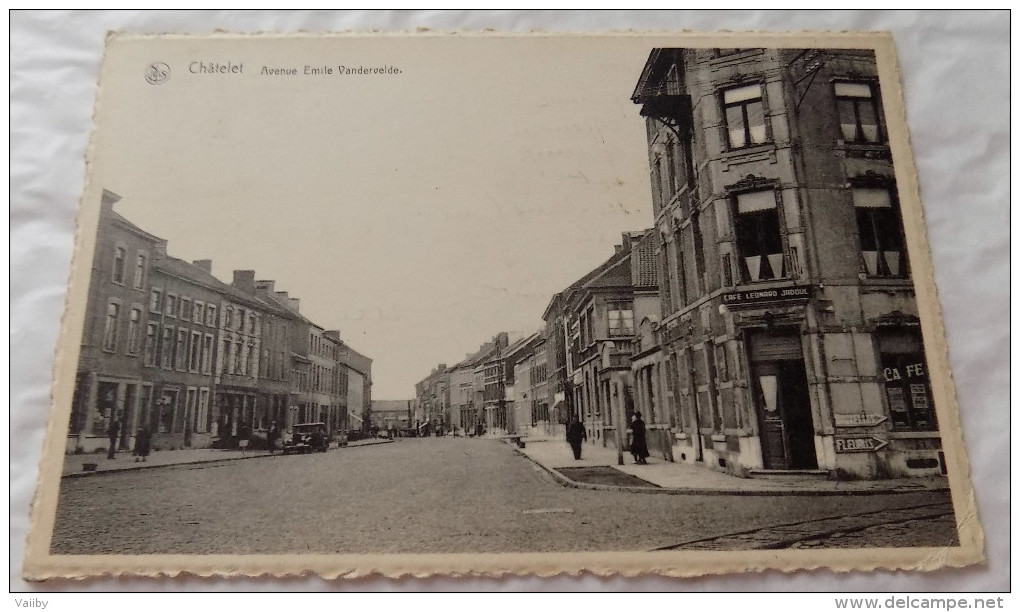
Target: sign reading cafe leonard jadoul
(750, 297)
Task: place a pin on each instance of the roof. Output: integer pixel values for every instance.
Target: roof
(117, 217)
(194, 274)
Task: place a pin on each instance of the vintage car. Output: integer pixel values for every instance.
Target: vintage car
(307, 437)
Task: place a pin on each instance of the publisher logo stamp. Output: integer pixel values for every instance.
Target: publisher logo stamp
(157, 73)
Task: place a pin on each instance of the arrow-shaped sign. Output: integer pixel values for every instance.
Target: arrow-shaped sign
(859, 444)
(858, 419)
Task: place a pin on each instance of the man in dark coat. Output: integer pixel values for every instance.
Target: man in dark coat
(114, 435)
(575, 435)
(638, 443)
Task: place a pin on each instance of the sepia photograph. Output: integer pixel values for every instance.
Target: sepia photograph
(441, 304)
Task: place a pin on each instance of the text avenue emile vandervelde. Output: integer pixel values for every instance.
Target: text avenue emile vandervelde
(228, 68)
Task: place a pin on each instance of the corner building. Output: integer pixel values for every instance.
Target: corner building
(789, 330)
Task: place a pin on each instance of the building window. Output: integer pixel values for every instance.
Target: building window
(228, 316)
(156, 300)
(151, 340)
(194, 351)
(250, 360)
(210, 315)
(907, 386)
(238, 353)
(745, 116)
(198, 312)
(880, 232)
(140, 268)
(167, 348)
(207, 346)
(621, 319)
(110, 326)
(171, 305)
(758, 236)
(134, 330)
(858, 112)
(185, 308)
(119, 254)
(181, 349)
(251, 323)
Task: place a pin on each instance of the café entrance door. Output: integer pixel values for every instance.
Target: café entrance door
(782, 401)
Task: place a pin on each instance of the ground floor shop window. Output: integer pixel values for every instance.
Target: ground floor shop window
(907, 387)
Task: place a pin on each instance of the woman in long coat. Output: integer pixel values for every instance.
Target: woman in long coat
(142, 444)
(638, 443)
(575, 435)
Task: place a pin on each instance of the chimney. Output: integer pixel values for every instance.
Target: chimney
(244, 280)
(160, 248)
(267, 286)
(295, 304)
(109, 199)
(618, 247)
(203, 264)
(502, 339)
(626, 241)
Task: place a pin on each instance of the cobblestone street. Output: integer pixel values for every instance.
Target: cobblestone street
(449, 495)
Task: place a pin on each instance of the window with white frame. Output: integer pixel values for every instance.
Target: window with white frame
(151, 342)
(745, 116)
(621, 319)
(156, 300)
(134, 330)
(110, 325)
(141, 265)
(181, 349)
(207, 346)
(857, 108)
(210, 315)
(171, 305)
(119, 256)
(198, 312)
(185, 308)
(758, 236)
(195, 351)
(881, 233)
(166, 348)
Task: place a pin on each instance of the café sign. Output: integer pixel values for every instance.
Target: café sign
(751, 297)
(859, 444)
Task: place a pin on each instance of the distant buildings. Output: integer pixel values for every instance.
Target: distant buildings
(392, 417)
(198, 362)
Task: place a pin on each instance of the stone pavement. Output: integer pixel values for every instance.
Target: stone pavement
(683, 478)
(126, 462)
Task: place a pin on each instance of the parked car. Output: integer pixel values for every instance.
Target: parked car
(307, 437)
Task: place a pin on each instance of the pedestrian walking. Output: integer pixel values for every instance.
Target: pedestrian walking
(272, 437)
(575, 435)
(142, 444)
(113, 433)
(638, 442)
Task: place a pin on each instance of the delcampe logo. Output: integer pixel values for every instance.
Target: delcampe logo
(157, 73)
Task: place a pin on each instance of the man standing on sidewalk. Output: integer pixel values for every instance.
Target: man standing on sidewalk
(114, 434)
(575, 435)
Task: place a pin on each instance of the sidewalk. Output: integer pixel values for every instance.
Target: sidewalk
(126, 462)
(683, 478)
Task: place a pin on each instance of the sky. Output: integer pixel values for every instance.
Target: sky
(419, 213)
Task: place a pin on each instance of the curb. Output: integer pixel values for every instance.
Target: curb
(573, 484)
(135, 468)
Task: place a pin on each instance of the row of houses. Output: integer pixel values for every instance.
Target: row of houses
(766, 321)
(199, 362)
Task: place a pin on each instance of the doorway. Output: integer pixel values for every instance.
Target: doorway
(783, 403)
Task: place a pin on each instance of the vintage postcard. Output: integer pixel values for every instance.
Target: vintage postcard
(482, 304)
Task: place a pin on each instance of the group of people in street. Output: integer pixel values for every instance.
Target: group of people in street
(576, 434)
